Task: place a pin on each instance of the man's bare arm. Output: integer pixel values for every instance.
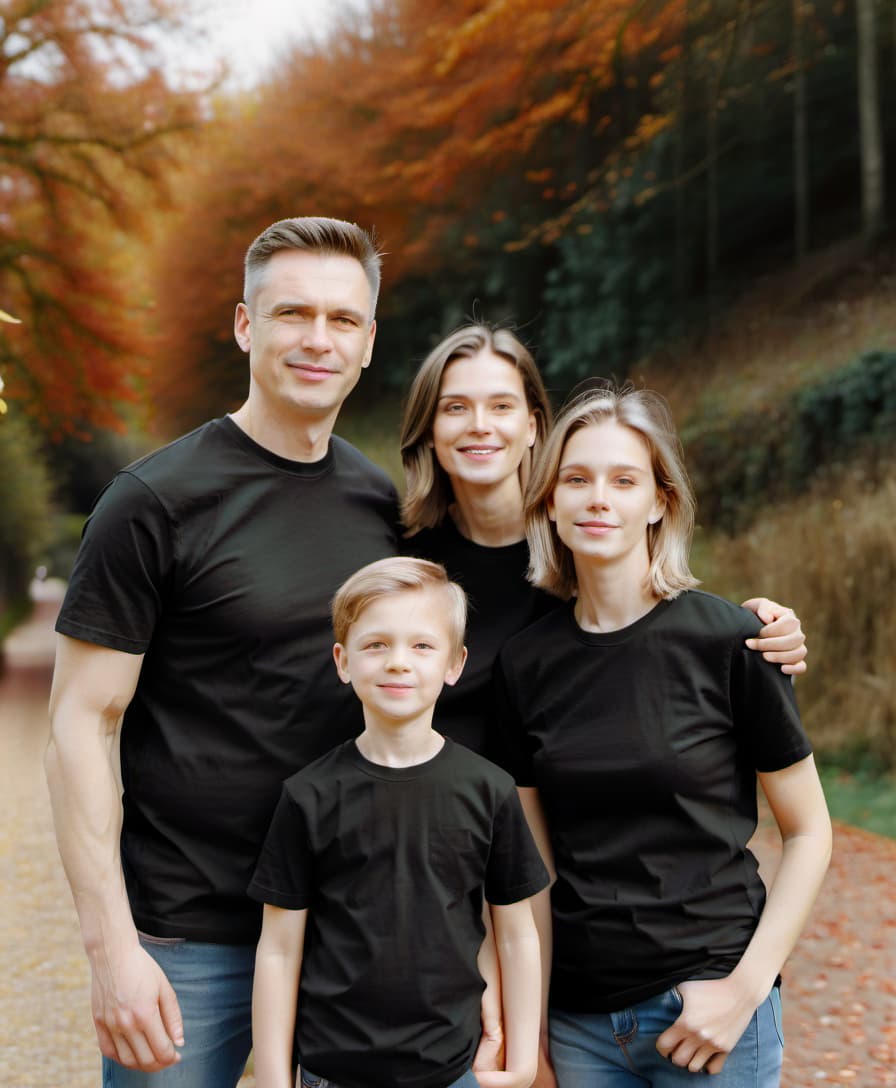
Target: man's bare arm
(135, 1011)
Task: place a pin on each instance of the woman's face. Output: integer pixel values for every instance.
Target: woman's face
(605, 495)
(483, 424)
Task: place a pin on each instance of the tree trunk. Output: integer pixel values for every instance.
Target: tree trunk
(682, 277)
(869, 124)
(800, 136)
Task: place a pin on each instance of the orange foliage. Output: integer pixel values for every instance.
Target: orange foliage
(410, 118)
(85, 112)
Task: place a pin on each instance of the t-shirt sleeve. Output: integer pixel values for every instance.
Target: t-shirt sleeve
(115, 593)
(283, 875)
(507, 743)
(515, 869)
(765, 712)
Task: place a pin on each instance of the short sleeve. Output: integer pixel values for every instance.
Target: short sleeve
(507, 743)
(283, 875)
(515, 869)
(765, 712)
(115, 593)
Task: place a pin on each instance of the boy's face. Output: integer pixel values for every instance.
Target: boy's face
(398, 654)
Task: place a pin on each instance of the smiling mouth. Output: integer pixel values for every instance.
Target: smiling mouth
(310, 370)
(479, 451)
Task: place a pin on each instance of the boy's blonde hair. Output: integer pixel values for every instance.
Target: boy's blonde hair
(400, 574)
(646, 413)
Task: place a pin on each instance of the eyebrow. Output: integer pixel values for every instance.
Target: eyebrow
(613, 468)
(331, 311)
(491, 396)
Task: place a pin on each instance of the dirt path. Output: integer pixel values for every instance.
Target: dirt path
(839, 986)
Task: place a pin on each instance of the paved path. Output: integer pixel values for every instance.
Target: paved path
(839, 986)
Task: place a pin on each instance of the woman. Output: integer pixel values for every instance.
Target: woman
(476, 415)
(636, 723)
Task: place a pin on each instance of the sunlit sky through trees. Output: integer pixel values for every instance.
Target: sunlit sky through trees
(251, 35)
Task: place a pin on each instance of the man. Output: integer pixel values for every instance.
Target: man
(196, 623)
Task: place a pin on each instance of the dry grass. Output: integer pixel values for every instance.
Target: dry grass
(831, 555)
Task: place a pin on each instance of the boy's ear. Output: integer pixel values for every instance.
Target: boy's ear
(453, 674)
(340, 656)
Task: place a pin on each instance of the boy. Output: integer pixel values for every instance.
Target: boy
(376, 863)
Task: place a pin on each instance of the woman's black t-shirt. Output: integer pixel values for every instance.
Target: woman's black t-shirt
(501, 603)
(644, 744)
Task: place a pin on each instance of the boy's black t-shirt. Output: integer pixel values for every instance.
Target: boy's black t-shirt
(501, 603)
(217, 559)
(644, 744)
(392, 864)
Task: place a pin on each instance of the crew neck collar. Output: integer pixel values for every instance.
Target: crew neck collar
(310, 469)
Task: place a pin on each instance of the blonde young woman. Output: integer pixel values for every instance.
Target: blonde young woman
(476, 414)
(637, 724)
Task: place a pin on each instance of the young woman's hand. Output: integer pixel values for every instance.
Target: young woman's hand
(716, 1013)
(490, 1052)
(781, 640)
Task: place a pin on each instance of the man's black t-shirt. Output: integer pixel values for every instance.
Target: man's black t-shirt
(644, 744)
(217, 559)
(502, 601)
(392, 864)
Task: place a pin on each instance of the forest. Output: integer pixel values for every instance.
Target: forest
(695, 195)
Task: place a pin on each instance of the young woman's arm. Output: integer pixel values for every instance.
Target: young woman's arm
(275, 992)
(717, 1011)
(541, 912)
(781, 641)
(516, 941)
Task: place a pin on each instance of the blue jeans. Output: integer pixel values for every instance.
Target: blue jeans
(311, 1080)
(213, 983)
(618, 1049)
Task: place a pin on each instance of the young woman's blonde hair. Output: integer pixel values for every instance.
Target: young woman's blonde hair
(428, 492)
(668, 542)
(398, 574)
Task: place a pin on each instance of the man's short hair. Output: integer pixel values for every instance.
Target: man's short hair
(314, 234)
(400, 574)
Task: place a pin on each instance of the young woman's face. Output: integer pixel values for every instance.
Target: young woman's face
(605, 495)
(483, 424)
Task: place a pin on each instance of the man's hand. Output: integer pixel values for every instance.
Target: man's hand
(781, 640)
(135, 1011)
(716, 1013)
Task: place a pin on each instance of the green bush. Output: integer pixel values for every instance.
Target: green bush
(24, 515)
(744, 461)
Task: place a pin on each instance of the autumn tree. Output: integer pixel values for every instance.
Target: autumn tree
(88, 120)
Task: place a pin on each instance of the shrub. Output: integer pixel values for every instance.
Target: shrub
(24, 515)
(743, 461)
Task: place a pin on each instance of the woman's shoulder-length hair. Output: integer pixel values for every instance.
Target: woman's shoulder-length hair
(647, 413)
(428, 492)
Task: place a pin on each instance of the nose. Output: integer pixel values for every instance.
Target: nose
(396, 662)
(597, 500)
(479, 422)
(316, 336)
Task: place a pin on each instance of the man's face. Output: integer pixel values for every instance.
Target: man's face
(308, 332)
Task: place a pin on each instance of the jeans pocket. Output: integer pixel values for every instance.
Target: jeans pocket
(676, 994)
(311, 1080)
(777, 1012)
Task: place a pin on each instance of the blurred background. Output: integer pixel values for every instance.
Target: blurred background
(697, 195)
